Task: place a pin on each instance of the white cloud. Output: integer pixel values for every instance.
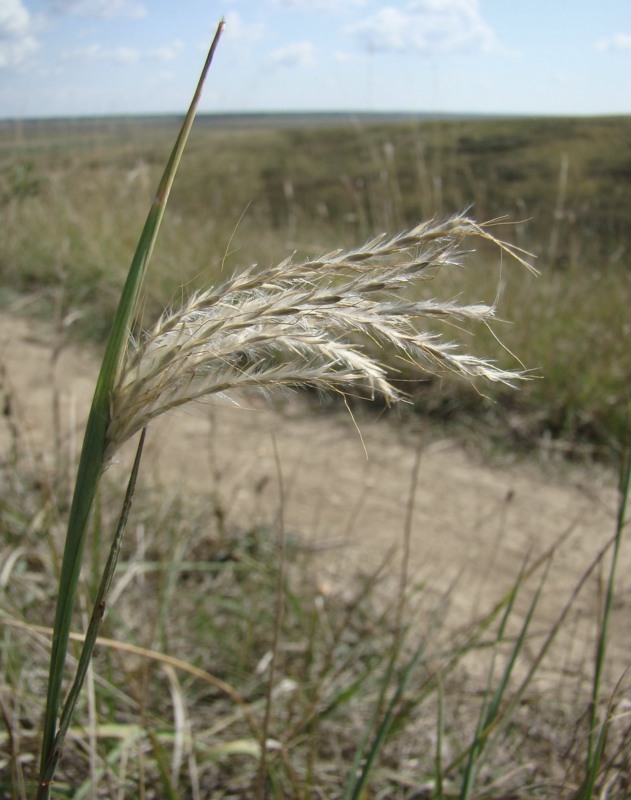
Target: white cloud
(100, 8)
(122, 55)
(96, 52)
(619, 41)
(444, 6)
(241, 33)
(168, 52)
(299, 54)
(316, 5)
(427, 26)
(16, 33)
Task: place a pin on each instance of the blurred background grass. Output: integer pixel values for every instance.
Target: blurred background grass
(73, 196)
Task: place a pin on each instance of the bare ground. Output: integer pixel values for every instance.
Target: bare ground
(471, 524)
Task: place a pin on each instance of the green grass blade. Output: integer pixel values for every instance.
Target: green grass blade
(342, 697)
(490, 716)
(586, 790)
(515, 699)
(162, 762)
(91, 461)
(359, 762)
(594, 751)
(485, 710)
(440, 738)
(361, 776)
(95, 621)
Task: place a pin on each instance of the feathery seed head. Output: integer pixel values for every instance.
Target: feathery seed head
(302, 324)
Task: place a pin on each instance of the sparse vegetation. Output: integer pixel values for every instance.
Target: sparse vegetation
(73, 196)
(175, 703)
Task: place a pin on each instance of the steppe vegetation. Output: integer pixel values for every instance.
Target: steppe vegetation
(74, 195)
(241, 643)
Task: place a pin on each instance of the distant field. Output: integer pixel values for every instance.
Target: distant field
(74, 194)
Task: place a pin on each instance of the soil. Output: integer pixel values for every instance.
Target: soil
(343, 487)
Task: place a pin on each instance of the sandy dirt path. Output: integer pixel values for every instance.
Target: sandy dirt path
(472, 522)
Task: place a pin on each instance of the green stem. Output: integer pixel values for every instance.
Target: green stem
(601, 650)
(92, 459)
(92, 633)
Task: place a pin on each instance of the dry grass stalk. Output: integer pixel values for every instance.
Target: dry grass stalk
(301, 324)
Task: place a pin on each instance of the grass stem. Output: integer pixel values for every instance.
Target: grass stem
(92, 459)
(91, 635)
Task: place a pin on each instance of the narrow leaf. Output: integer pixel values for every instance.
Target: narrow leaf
(92, 457)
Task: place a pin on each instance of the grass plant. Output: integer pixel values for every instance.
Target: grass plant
(598, 731)
(91, 464)
(293, 324)
(290, 325)
(330, 711)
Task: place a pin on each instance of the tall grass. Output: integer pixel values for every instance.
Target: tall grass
(321, 323)
(91, 464)
(291, 325)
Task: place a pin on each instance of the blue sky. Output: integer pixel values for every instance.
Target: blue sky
(85, 57)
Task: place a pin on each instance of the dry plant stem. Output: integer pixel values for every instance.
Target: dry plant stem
(95, 622)
(515, 699)
(365, 758)
(337, 633)
(261, 789)
(17, 776)
(151, 655)
(407, 536)
(92, 459)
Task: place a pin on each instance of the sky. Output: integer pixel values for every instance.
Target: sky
(98, 57)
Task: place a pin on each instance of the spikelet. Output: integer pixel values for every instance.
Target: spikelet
(302, 324)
